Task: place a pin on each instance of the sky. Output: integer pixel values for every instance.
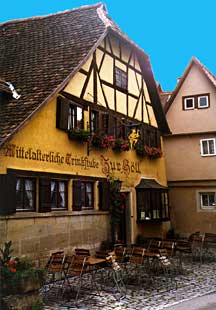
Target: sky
(169, 31)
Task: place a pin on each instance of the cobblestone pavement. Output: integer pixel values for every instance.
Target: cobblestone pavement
(154, 293)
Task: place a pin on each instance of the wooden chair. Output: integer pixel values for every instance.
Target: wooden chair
(82, 252)
(167, 267)
(136, 262)
(75, 267)
(169, 246)
(116, 274)
(101, 254)
(54, 268)
(197, 244)
(120, 254)
(154, 245)
(209, 245)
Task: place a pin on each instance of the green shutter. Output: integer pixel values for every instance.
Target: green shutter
(44, 195)
(104, 195)
(77, 203)
(62, 112)
(7, 194)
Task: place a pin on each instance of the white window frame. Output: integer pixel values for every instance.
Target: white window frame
(201, 147)
(207, 102)
(185, 103)
(208, 207)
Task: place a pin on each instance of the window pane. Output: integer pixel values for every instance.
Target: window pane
(53, 194)
(79, 117)
(208, 199)
(204, 200)
(25, 194)
(62, 193)
(120, 78)
(212, 199)
(87, 195)
(189, 103)
(58, 194)
(211, 147)
(203, 101)
(205, 147)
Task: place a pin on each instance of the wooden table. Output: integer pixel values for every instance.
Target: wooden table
(95, 261)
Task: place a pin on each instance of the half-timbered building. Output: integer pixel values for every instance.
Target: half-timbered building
(79, 113)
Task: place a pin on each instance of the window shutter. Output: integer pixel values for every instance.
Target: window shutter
(104, 197)
(44, 195)
(62, 112)
(158, 139)
(7, 194)
(103, 122)
(112, 125)
(77, 203)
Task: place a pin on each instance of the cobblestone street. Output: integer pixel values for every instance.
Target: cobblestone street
(196, 280)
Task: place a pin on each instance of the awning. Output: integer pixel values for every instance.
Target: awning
(150, 184)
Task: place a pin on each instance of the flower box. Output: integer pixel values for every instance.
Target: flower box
(121, 145)
(81, 135)
(102, 141)
(150, 151)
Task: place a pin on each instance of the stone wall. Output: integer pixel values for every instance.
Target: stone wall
(38, 236)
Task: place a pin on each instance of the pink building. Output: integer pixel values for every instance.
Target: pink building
(191, 150)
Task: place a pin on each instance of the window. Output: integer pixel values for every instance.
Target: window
(207, 200)
(75, 117)
(83, 195)
(120, 78)
(208, 147)
(94, 121)
(203, 102)
(87, 195)
(58, 194)
(196, 102)
(25, 194)
(151, 137)
(152, 205)
(189, 103)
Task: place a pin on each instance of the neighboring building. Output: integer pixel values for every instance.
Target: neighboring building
(191, 151)
(73, 75)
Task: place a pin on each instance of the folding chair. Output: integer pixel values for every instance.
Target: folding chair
(168, 268)
(197, 242)
(136, 261)
(54, 268)
(116, 274)
(154, 245)
(83, 252)
(120, 254)
(75, 267)
(169, 246)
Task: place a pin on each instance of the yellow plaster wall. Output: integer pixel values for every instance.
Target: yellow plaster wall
(106, 68)
(41, 134)
(106, 72)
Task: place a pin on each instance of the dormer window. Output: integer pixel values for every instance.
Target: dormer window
(120, 78)
(203, 102)
(189, 103)
(196, 102)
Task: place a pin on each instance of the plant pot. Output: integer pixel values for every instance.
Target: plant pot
(26, 285)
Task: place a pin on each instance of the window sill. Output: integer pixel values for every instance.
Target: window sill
(140, 221)
(23, 215)
(207, 155)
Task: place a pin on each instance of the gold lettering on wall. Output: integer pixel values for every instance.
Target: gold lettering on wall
(106, 164)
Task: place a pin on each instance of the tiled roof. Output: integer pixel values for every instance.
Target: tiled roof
(164, 96)
(39, 56)
(207, 73)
